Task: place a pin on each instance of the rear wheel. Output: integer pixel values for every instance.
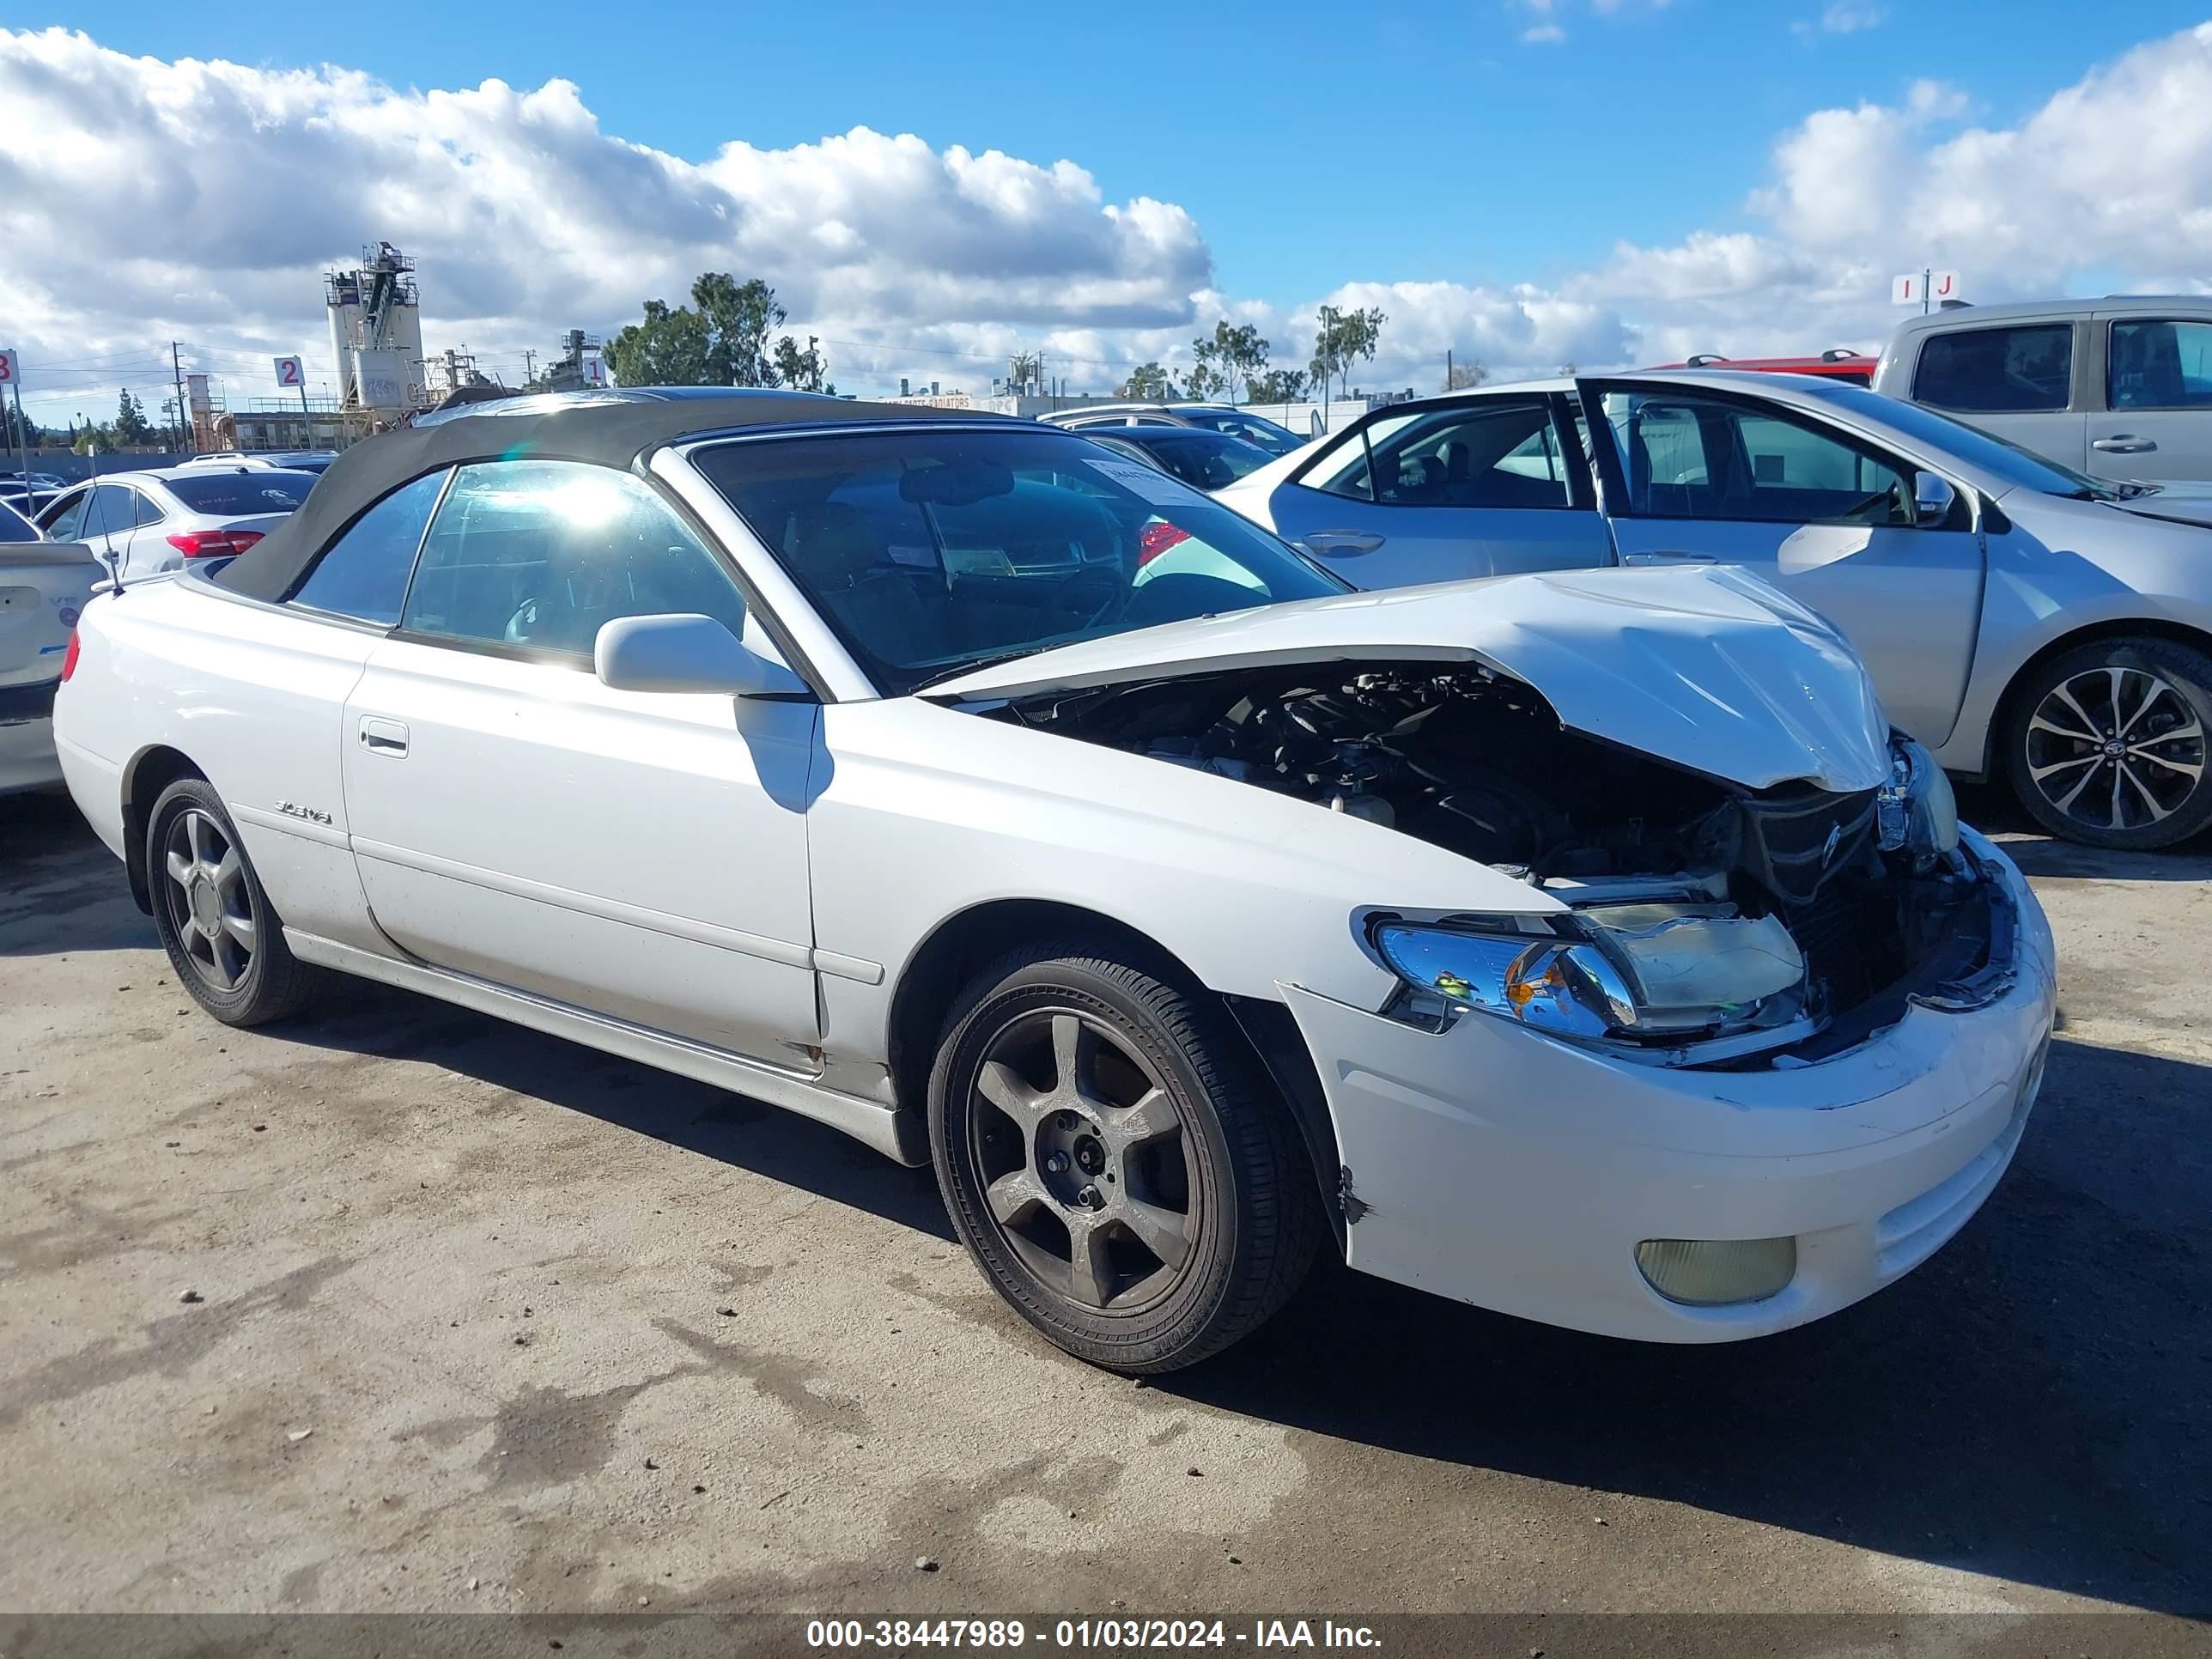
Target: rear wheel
(2108, 745)
(1113, 1163)
(223, 938)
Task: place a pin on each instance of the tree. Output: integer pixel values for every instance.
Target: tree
(1024, 369)
(1344, 338)
(94, 441)
(739, 315)
(1465, 375)
(1231, 354)
(1202, 380)
(131, 426)
(16, 431)
(1277, 386)
(1149, 383)
(669, 348)
(724, 342)
(802, 371)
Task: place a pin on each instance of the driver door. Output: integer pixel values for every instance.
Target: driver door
(641, 855)
(1702, 477)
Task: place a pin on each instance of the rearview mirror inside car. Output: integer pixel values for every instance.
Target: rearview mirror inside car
(684, 651)
(1932, 499)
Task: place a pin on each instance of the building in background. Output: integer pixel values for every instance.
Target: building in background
(376, 334)
(581, 363)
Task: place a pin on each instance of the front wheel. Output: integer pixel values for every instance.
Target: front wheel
(222, 934)
(1114, 1163)
(2108, 744)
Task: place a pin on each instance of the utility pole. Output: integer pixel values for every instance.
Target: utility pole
(184, 416)
(529, 365)
(1448, 365)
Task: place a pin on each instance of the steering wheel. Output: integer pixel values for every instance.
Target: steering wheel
(1116, 595)
(521, 625)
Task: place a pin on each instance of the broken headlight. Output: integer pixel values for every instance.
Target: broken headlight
(1655, 971)
(1918, 811)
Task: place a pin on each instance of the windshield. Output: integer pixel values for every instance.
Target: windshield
(930, 552)
(1202, 460)
(1252, 429)
(236, 494)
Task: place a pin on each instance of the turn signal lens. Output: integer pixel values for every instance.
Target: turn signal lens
(1718, 1272)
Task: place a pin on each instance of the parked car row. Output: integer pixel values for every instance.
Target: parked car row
(1584, 944)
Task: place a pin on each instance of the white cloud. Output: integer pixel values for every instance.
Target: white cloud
(142, 201)
(1543, 34)
(1842, 18)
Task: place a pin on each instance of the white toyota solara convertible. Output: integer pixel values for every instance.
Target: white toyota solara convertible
(1583, 946)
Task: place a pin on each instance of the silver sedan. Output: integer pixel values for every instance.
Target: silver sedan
(2020, 618)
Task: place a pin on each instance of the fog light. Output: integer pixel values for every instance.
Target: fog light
(1712, 1272)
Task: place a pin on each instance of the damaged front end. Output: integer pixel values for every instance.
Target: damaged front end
(1705, 923)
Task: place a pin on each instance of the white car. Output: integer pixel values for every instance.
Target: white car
(2023, 621)
(1585, 946)
(288, 461)
(44, 586)
(136, 523)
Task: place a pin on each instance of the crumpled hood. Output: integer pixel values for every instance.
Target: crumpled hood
(1706, 666)
(2177, 503)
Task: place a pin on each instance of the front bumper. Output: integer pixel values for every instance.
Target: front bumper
(1497, 1166)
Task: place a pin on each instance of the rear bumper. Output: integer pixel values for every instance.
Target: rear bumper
(26, 738)
(1499, 1167)
(96, 786)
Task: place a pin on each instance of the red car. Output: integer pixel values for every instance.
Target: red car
(1857, 366)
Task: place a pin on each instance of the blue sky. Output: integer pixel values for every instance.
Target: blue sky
(1522, 183)
(1426, 141)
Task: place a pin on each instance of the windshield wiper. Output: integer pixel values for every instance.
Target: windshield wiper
(974, 664)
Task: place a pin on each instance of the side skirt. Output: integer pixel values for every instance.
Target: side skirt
(893, 1132)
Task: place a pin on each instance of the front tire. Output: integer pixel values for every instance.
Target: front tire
(223, 936)
(2108, 745)
(1113, 1161)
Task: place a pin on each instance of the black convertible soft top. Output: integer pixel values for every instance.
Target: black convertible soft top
(611, 429)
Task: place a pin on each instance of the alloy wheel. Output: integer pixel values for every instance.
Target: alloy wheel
(1083, 1161)
(2116, 748)
(210, 908)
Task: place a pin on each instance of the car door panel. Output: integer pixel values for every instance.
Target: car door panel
(2151, 417)
(643, 856)
(1478, 487)
(1908, 598)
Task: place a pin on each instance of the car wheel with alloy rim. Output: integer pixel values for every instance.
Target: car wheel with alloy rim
(223, 936)
(1114, 1160)
(2108, 744)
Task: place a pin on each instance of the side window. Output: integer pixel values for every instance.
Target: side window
(114, 511)
(1998, 370)
(1695, 457)
(364, 573)
(150, 510)
(1497, 453)
(541, 554)
(2159, 365)
(64, 520)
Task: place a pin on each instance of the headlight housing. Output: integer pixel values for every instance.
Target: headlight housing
(1651, 972)
(1919, 812)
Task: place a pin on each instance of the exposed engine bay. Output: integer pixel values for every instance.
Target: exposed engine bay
(1731, 925)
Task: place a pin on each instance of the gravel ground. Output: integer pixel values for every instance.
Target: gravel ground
(401, 1308)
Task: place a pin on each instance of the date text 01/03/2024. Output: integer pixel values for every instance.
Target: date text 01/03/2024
(1103, 1634)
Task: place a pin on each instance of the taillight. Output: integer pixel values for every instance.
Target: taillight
(69, 657)
(212, 543)
(1155, 538)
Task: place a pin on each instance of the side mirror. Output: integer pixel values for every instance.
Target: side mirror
(1932, 499)
(681, 652)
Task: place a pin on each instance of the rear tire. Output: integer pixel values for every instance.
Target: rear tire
(224, 939)
(2108, 744)
(1113, 1161)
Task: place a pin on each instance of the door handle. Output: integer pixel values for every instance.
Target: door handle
(2123, 443)
(1667, 557)
(1342, 541)
(382, 737)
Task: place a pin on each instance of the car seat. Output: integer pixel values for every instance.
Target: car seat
(834, 550)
